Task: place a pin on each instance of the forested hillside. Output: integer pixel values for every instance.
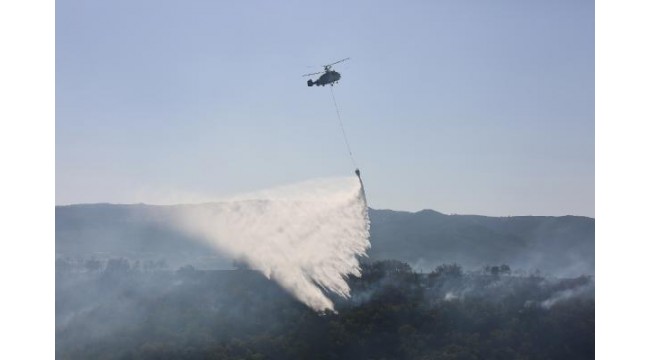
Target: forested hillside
(118, 309)
(561, 246)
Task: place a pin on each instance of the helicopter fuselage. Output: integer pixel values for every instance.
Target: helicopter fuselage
(329, 77)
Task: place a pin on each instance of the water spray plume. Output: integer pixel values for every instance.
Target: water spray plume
(306, 237)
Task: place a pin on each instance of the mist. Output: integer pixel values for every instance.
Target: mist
(143, 281)
(307, 237)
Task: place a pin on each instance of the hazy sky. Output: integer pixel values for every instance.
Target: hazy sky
(469, 107)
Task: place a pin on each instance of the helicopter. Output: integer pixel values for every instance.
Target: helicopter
(329, 76)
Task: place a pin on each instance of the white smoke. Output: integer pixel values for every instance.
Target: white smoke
(584, 290)
(303, 236)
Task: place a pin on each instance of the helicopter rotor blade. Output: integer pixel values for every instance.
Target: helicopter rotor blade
(342, 60)
(316, 73)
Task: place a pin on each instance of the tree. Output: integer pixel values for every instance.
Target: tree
(447, 270)
(93, 264)
(116, 266)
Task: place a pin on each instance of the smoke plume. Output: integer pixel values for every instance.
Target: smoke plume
(306, 237)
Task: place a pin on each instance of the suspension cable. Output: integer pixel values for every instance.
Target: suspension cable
(345, 136)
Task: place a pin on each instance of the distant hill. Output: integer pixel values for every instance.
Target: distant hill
(136, 232)
(554, 245)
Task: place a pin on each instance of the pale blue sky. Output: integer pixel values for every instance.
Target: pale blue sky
(481, 107)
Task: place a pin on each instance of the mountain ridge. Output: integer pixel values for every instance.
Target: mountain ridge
(559, 245)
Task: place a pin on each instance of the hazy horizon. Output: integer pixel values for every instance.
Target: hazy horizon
(371, 208)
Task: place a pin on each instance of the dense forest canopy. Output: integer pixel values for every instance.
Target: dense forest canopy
(121, 309)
